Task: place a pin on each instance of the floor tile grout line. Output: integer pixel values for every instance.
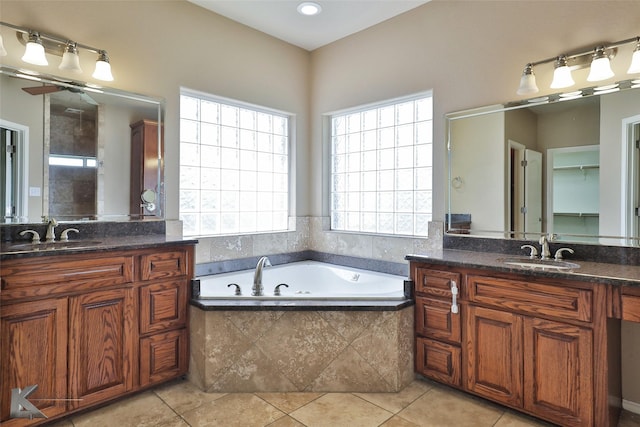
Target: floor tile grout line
(171, 407)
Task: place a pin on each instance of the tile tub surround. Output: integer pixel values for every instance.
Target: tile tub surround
(295, 351)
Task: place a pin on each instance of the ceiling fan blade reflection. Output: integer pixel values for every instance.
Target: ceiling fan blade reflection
(41, 90)
(86, 98)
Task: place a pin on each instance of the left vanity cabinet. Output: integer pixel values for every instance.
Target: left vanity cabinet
(92, 326)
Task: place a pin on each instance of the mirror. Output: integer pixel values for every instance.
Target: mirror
(566, 164)
(77, 152)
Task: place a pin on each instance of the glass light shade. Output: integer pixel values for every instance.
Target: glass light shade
(635, 61)
(3, 51)
(527, 82)
(103, 71)
(562, 78)
(34, 52)
(600, 68)
(70, 60)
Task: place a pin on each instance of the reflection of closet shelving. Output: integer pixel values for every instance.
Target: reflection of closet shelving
(579, 167)
(575, 181)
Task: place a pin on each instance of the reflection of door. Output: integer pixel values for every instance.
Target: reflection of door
(631, 180)
(525, 175)
(14, 157)
(532, 192)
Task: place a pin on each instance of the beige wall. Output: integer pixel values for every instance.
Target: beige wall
(156, 47)
(471, 53)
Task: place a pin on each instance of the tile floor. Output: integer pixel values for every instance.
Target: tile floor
(422, 403)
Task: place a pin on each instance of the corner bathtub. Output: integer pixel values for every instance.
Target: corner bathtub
(334, 329)
(306, 280)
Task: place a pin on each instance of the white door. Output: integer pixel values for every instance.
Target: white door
(532, 193)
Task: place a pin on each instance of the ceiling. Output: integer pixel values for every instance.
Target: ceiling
(280, 18)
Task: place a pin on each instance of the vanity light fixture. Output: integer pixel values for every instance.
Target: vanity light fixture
(528, 81)
(309, 8)
(598, 59)
(103, 68)
(34, 52)
(70, 58)
(3, 51)
(600, 66)
(38, 43)
(635, 59)
(562, 74)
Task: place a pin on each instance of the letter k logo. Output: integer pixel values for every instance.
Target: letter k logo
(21, 407)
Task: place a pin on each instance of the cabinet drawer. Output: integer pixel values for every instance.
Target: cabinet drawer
(631, 308)
(163, 306)
(439, 361)
(435, 320)
(163, 265)
(163, 356)
(531, 298)
(37, 278)
(435, 283)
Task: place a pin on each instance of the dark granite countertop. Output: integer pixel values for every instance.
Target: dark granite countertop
(11, 250)
(298, 305)
(594, 272)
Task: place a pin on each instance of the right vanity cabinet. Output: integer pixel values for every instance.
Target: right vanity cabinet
(536, 345)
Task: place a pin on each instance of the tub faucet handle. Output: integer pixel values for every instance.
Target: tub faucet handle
(276, 291)
(238, 292)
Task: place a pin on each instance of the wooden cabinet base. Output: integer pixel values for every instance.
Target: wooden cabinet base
(92, 327)
(542, 346)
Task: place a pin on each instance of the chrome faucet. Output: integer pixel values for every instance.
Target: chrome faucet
(257, 276)
(51, 225)
(545, 253)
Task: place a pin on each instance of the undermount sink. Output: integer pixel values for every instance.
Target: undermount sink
(48, 246)
(540, 264)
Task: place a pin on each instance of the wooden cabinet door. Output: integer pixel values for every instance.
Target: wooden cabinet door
(34, 351)
(163, 356)
(101, 346)
(435, 320)
(558, 372)
(439, 361)
(163, 306)
(494, 354)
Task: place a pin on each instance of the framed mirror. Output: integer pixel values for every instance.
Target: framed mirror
(77, 152)
(566, 164)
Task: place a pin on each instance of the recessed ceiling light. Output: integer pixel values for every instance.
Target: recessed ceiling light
(309, 8)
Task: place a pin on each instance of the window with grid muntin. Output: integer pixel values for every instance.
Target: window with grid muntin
(234, 168)
(381, 168)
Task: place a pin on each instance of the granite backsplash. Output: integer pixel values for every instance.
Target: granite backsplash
(88, 230)
(583, 252)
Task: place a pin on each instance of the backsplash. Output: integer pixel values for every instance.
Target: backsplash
(88, 229)
(583, 252)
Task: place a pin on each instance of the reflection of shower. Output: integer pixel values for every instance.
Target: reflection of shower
(77, 130)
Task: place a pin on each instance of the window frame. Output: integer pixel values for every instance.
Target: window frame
(327, 131)
(291, 156)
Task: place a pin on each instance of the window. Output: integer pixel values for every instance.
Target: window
(381, 162)
(234, 167)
